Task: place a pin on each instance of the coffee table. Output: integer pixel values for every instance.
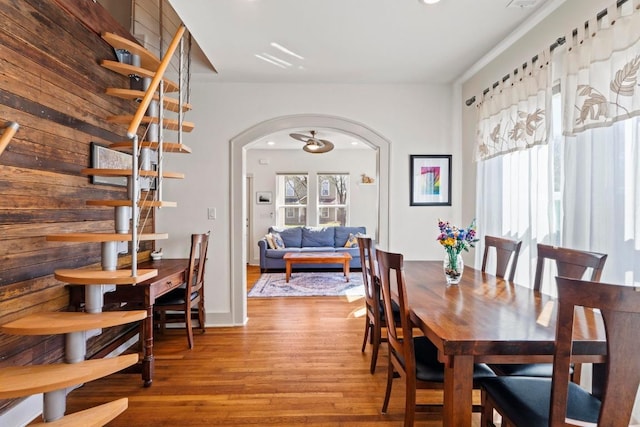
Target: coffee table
(291, 258)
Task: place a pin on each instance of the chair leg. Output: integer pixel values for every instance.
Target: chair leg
(201, 316)
(387, 393)
(375, 346)
(188, 327)
(367, 326)
(410, 401)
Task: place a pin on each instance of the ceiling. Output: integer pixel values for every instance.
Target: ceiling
(349, 41)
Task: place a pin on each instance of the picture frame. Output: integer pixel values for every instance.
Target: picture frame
(430, 180)
(105, 158)
(264, 197)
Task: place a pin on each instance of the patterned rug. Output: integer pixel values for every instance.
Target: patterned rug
(308, 284)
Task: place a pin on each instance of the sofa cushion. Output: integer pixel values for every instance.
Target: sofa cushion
(269, 238)
(318, 249)
(320, 236)
(277, 241)
(292, 237)
(342, 234)
(352, 241)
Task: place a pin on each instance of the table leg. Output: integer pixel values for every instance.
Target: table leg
(458, 389)
(346, 270)
(288, 270)
(147, 347)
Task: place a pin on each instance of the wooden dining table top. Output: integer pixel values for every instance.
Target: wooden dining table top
(488, 319)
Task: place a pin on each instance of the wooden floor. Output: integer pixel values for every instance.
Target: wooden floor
(296, 361)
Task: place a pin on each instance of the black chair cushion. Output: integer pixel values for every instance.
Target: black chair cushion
(174, 297)
(396, 312)
(544, 370)
(525, 400)
(428, 368)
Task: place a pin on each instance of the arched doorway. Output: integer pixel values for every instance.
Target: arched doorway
(238, 143)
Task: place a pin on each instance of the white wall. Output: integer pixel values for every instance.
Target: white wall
(416, 119)
(363, 199)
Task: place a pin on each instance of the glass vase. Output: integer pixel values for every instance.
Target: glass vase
(453, 267)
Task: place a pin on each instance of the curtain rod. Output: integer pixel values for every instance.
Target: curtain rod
(559, 42)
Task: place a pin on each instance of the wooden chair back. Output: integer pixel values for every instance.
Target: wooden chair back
(506, 250)
(570, 263)
(393, 288)
(369, 275)
(620, 308)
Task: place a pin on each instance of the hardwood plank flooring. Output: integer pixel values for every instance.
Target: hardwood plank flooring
(297, 361)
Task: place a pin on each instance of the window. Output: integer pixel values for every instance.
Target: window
(291, 200)
(333, 200)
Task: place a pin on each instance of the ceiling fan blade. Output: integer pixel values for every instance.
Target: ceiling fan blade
(300, 137)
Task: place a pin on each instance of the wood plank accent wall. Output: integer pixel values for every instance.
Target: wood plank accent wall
(51, 83)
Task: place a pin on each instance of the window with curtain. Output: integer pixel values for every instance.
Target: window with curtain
(579, 185)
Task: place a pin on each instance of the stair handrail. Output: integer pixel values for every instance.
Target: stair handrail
(10, 129)
(158, 76)
(132, 133)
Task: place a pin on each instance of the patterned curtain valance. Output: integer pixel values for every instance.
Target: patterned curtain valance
(514, 115)
(601, 72)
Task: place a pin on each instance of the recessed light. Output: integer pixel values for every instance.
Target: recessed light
(428, 1)
(354, 142)
(271, 143)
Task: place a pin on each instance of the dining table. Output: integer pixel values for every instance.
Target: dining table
(487, 319)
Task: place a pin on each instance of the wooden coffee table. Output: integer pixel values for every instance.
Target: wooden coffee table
(291, 258)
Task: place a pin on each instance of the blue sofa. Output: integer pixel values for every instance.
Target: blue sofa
(309, 239)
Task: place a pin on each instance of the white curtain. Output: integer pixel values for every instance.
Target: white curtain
(602, 69)
(601, 197)
(513, 116)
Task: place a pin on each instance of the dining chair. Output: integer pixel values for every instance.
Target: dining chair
(506, 250)
(570, 263)
(375, 319)
(413, 358)
(188, 299)
(528, 401)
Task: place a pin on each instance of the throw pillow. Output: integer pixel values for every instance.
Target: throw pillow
(270, 242)
(277, 241)
(352, 241)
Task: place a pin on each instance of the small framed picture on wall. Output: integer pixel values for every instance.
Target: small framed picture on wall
(263, 197)
(430, 180)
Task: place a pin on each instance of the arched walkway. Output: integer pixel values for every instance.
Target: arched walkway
(238, 191)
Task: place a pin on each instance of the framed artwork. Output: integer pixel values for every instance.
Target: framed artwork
(105, 158)
(430, 180)
(263, 197)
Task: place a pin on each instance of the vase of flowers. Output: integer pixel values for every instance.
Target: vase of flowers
(455, 240)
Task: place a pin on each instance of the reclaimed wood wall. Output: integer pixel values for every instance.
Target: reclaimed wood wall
(51, 83)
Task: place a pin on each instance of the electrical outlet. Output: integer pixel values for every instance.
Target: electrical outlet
(211, 213)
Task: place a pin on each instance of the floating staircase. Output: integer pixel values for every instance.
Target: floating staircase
(145, 177)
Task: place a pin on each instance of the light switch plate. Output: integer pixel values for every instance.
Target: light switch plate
(211, 213)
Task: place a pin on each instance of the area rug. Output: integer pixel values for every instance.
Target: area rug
(308, 284)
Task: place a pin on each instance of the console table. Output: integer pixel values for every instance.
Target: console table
(171, 274)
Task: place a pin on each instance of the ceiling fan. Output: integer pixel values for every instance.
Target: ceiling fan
(312, 144)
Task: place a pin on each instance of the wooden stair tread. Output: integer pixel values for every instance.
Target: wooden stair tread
(128, 172)
(147, 58)
(63, 322)
(19, 381)
(171, 124)
(167, 147)
(85, 276)
(131, 70)
(141, 203)
(170, 104)
(102, 237)
(97, 416)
